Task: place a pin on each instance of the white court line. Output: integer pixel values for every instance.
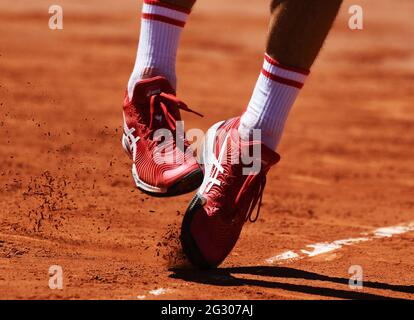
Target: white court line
(324, 247)
(155, 292)
(158, 292)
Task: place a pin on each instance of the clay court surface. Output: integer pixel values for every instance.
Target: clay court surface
(67, 197)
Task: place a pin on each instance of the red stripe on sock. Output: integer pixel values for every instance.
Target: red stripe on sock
(165, 19)
(279, 65)
(281, 80)
(167, 5)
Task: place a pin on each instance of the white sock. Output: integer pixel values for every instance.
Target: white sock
(161, 27)
(275, 92)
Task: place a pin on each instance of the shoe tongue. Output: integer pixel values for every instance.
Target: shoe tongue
(257, 151)
(269, 157)
(144, 89)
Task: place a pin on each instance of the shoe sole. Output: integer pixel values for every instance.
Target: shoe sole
(188, 243)
(188, 183)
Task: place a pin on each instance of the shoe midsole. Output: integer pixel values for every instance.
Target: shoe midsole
(142, 185)
(139, 183)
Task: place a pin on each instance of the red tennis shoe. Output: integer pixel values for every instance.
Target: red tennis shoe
(234, 180)
(163, 163)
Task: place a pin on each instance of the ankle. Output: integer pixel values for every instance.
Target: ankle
(161, 27)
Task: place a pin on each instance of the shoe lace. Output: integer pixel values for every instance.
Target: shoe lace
(256, 191)
(166, 103)
(252, 187)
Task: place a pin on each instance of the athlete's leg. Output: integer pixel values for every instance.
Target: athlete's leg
(298, 29)
(161, 26)
(186, 4)
(162, 164)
